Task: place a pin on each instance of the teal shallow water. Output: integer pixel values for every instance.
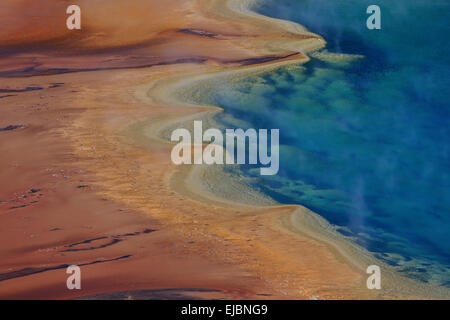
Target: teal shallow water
(365, 143)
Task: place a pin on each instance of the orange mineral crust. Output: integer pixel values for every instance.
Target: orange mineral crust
(118, 34)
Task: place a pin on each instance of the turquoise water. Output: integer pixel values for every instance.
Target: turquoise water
(364, 143)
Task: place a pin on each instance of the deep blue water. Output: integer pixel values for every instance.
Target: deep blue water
(364, 144)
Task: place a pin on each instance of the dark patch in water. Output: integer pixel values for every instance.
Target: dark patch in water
(11, 127)
(18, 207)
(112, 242)
(32, 71)
(246, 62)
(198, 33)
(56, 85)
(151, 294)
(34, 270)
(114, 239)
(30, 88)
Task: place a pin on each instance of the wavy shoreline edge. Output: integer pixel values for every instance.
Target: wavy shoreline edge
(301, 220)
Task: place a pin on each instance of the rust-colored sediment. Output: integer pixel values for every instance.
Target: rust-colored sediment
(82, 184)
